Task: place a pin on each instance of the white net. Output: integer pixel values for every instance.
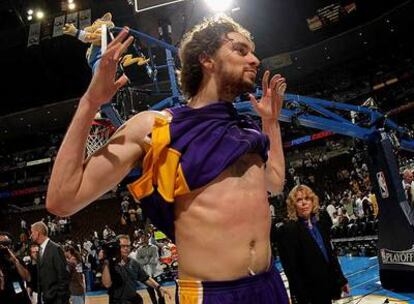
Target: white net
(98, 136)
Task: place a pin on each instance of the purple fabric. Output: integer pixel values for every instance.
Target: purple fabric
(160, 213)
(264, 288)
(209, 140)
(212, 138)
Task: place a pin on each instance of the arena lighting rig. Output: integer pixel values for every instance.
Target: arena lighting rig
(381, 135)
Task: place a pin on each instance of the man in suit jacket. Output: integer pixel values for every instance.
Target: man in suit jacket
(408, 185)
(53, 272)
(312, 269)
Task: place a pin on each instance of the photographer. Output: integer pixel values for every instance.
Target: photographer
(12, 274)
(120, 274)
(32, 268)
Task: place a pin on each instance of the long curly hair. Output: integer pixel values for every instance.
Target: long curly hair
(291, 201)
(205, 38)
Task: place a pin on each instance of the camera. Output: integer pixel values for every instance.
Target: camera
(111, 250)
(4, 246)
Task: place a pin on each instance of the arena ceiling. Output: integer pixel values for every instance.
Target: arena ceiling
(51, 76)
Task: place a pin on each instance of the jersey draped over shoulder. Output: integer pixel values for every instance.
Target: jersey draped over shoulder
(189, 150)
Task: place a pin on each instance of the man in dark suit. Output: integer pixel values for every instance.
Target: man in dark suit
(312, 268)
(53, 272)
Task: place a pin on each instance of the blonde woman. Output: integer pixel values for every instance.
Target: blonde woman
(312, 269)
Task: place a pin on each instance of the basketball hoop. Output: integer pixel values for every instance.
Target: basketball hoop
(101, 131)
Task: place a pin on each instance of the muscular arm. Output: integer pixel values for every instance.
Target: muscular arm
(275, 165)
(75, 182)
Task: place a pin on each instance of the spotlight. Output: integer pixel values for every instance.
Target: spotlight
(70, 1)
(30, 17)
(219, 5)
(40, 14)
(30, 12)
(71, 6)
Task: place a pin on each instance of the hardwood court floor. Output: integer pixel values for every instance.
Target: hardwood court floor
(362, 274)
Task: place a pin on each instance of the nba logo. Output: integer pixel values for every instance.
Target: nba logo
(382, 185)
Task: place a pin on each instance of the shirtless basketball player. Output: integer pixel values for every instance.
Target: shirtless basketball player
(208, 165)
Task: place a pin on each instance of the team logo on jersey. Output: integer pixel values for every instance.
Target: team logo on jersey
(382, 185)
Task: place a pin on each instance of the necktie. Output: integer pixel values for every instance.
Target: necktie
(40, 254)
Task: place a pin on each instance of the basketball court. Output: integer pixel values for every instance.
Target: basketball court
(361, 272)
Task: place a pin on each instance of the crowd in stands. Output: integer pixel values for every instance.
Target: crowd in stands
(346, 197)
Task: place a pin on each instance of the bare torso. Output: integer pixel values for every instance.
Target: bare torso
(222, 230)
